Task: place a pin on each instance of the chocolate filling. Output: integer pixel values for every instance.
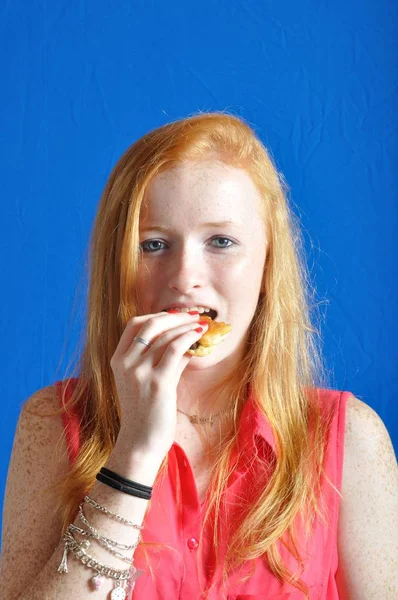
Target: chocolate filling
(194, 346)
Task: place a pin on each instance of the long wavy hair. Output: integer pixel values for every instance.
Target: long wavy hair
(283, 362)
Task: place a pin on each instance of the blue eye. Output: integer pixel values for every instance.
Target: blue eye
(144, 246)
(231, 243)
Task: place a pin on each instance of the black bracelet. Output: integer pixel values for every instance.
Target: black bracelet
(129, 482)
(116, 485)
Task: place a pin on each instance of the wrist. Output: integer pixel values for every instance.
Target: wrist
(136, 465)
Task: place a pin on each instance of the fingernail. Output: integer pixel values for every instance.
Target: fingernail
(199, 329)
(193, 312)
(203, 322)
(173, 311)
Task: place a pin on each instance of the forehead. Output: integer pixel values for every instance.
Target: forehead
(211, 189)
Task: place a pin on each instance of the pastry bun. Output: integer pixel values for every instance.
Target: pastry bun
(213, 336)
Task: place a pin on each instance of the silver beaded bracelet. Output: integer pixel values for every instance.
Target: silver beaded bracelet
(108, 540)
(102, 541)
(124, 578)
(103, 509)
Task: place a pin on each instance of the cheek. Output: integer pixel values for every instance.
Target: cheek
(247, 270)
(243, 286)
(148, 273)
(146, 287)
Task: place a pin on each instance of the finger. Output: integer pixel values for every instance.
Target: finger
(159, 345)
(155, 327)
(184, 362)
(176, 349)
(148, 327)
(151, 356)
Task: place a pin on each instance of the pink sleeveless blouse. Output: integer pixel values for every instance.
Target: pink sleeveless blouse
(175, 515)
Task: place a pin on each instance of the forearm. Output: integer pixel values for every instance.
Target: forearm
(52, 585)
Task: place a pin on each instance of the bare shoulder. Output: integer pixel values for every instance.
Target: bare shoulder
(39, 460)
(39, 433)
(360, 417)
(368, 449)
(42, 401)
(368, 517)
(366, 436)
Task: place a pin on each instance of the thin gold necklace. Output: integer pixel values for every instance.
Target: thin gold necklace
(195, 419)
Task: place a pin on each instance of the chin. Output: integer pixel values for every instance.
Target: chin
(204, 360)
(220, 353)
(214, 354)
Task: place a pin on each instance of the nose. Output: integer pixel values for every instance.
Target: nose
(187, 271)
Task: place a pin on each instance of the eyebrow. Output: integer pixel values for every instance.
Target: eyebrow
(202, 226)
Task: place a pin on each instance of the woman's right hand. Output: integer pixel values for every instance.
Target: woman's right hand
(146, 378)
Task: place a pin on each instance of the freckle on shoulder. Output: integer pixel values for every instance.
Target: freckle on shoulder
(360, 408)
(42, 402)
(364, 427)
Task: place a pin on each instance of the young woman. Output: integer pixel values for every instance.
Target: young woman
(194, 457)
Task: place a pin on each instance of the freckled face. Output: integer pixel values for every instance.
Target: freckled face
(188, 261)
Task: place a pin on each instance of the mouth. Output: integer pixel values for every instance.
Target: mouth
(212, 313)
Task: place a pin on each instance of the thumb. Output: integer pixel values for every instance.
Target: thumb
(183, 363)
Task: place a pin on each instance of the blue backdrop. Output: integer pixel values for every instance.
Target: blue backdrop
(81, 81)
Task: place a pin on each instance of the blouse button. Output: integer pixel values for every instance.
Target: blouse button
(192, 543)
